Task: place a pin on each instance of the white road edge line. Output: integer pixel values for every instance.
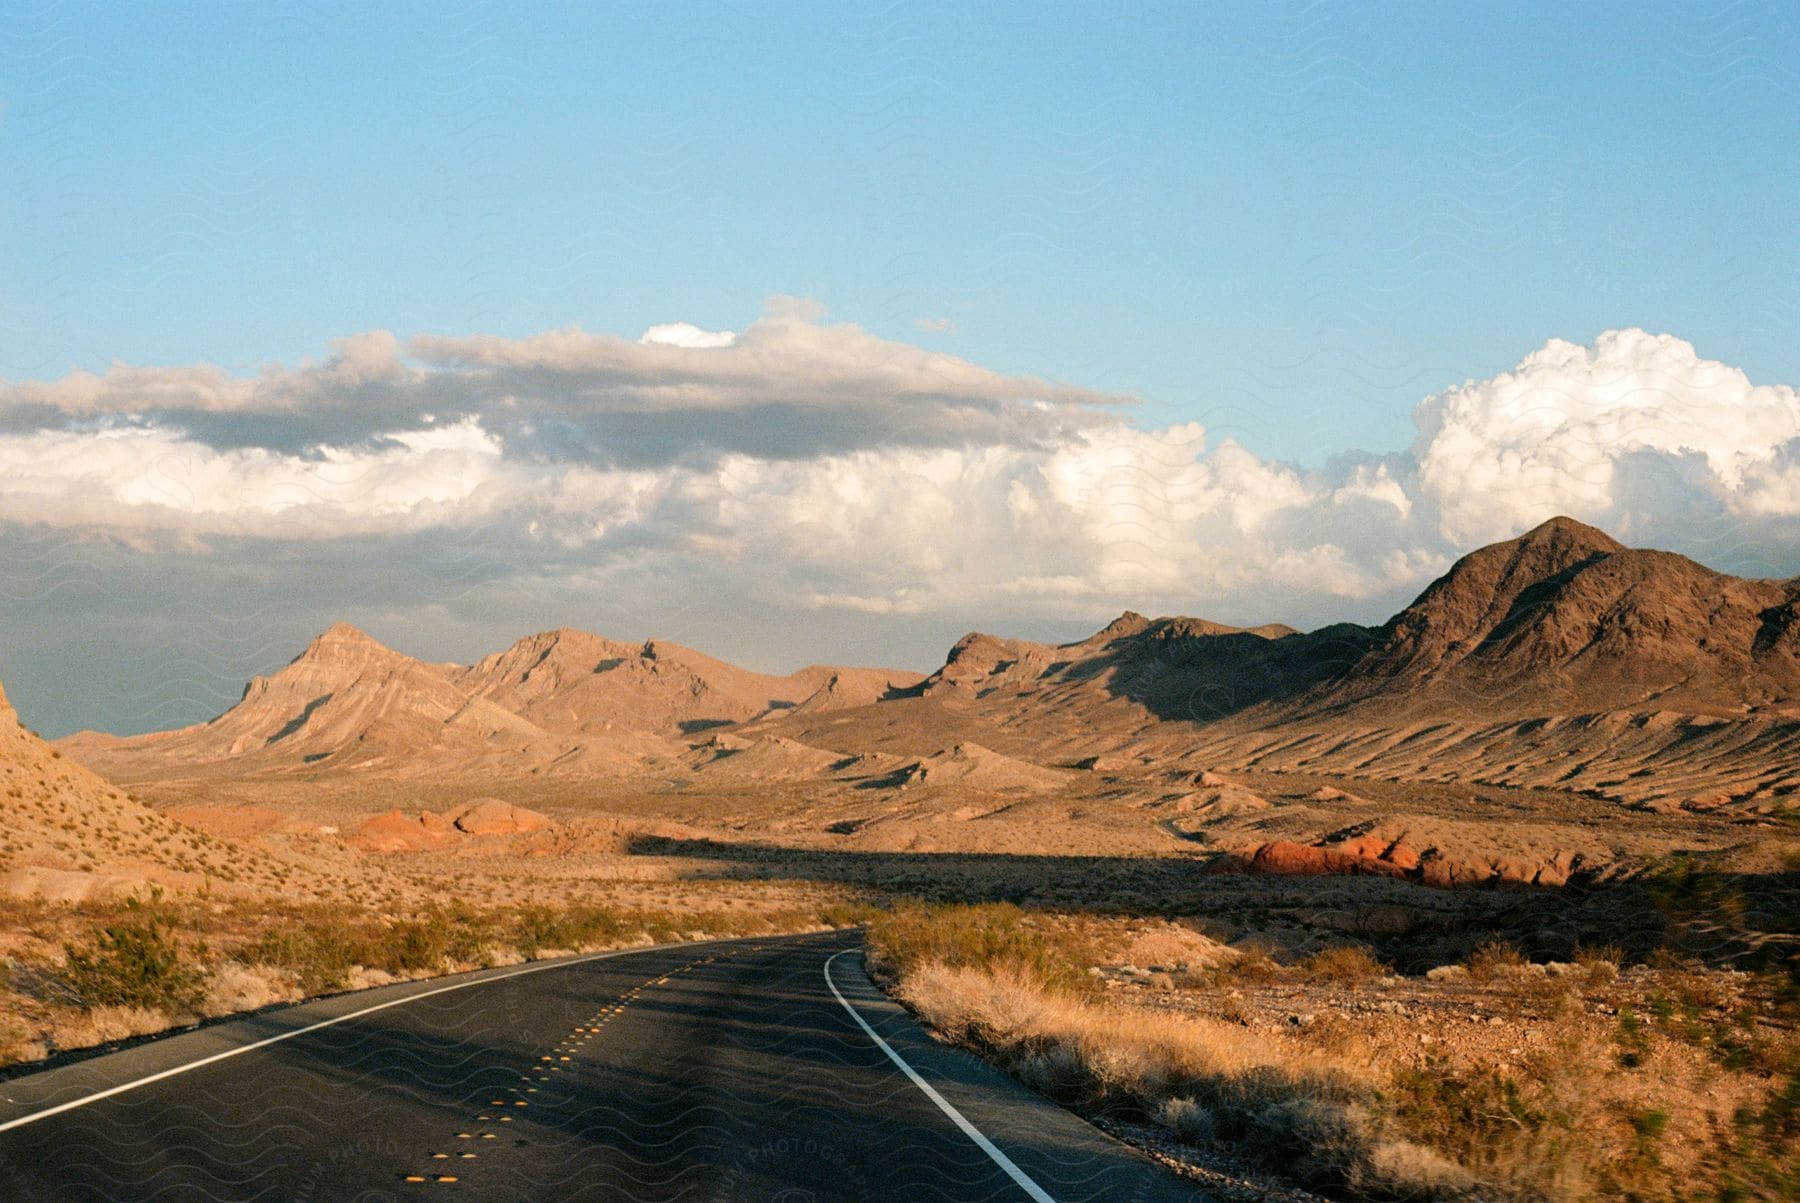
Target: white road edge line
(108, 1093)
(1037, 1193)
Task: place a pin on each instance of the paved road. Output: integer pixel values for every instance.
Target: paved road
(722, 1071)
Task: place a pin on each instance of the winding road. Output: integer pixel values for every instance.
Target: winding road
(767, 1069)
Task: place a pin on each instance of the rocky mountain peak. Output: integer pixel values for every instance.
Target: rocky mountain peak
(1126, 624)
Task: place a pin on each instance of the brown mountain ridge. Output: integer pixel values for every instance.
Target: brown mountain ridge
(348, 702)
(1562, 619)
(1559, 658)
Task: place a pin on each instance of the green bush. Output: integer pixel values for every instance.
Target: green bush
(536, 929)
(440, 938)
(135, 962)
(319, 952)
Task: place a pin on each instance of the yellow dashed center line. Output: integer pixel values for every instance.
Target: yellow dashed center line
(552, 1062)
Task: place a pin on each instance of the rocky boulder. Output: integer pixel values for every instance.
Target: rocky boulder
(492, 816)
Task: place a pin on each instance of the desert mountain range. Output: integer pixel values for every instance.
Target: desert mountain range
(1558, 677)
(564, 697)
(1525, 656)
(1561, 619)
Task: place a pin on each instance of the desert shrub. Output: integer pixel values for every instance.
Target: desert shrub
(1555, 1122)
(1751, 1032)
(848, 914)
(1055, 1070)
(320, 952)
(1253, 965)
(135, 962)
(19, 1041)
(235, 987)
(1346, 966)
(1650, 1124)
(1188, 1120)
(537, 929)
(1751, 919)
(1599, 954)
(1512, 1129)
(1472, 1106)
(1766, 1137)
(1556, 1125)
(1631, 1038)
(1309, 1115)
(985, 936)
(1332, 1144)
(439, 939)
(1495, 959)
(1599, 964)
(103, 1025)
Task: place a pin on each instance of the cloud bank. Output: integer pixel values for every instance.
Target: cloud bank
(807, 466)
(789, 386)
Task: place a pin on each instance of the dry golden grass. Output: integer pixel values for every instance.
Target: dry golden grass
(234, 987)
(19, 1041)
(1693, 1098)
(1344, 966)
(104, 1025)
(1493, 959)
(1315, 1113)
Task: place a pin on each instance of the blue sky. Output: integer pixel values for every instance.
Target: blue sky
(1290, 222)
(1290, 225)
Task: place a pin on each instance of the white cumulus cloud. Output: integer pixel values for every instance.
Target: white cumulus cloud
(681, 334)
(1572, 429)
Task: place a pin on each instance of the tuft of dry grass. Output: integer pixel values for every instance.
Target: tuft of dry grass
(1344, 966)
(1598, 964)
(1253, 965)
(234, 987)
(1493, 959)
(19, 1041)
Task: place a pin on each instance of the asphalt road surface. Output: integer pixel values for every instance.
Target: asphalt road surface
(768, 1070)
